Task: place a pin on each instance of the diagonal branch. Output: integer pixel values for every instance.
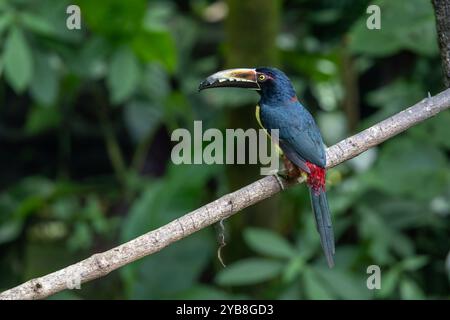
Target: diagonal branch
(101, 264)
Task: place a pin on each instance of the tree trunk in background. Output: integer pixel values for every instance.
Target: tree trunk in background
(349, 79)
(251, 30)
(442, 12)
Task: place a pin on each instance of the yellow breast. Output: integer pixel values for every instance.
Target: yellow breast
(258, 118)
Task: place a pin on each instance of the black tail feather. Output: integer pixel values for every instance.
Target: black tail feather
(322, 215)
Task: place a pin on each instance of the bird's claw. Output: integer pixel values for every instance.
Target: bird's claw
(281, 175)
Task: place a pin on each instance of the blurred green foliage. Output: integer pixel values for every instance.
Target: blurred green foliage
(85, 123)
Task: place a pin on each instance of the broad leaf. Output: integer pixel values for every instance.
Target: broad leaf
(45, 85)
(123, 76)
(18, 60)
(249, 271)
(268, 243)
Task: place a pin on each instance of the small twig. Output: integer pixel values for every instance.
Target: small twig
(222, 242)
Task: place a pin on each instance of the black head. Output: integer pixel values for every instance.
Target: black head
(274, 84)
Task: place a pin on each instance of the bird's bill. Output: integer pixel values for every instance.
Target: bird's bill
(237, 78)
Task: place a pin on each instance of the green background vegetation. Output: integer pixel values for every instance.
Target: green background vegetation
(85, 124)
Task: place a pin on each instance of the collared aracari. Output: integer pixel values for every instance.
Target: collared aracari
(299, 137)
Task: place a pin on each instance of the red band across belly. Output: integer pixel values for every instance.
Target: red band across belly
(316, 179)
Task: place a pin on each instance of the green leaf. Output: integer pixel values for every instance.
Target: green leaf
(156, 46)
(115, 19)
(409, 290)
(389, 282)
(372, 42)
(421, 164)
(5, 20)
(81, 237)
(123, 76)
(45, 85)
(18, 60)
(91, 61)
(435, 130)
(293, 269)
(96, 216)
(49, 17)
(144, 215)
(159, 15)
(396, 95)
(142, 118)
(37, 24)
(345, 285)
(268, 243)
(414, 263)
(10, 230)
(315, 288)
(155, 91)
(404, 25)
(249, 271)
(41, 119)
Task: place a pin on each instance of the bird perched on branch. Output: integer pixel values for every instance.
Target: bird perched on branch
(299, 138)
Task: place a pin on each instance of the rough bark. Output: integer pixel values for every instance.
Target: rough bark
(442, 13)
(101, 264)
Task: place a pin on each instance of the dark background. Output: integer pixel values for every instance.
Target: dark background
(85, 123)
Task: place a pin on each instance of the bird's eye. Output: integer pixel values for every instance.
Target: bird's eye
(261, 77)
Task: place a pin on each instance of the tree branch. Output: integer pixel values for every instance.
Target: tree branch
(101, 264)
(442, 13)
